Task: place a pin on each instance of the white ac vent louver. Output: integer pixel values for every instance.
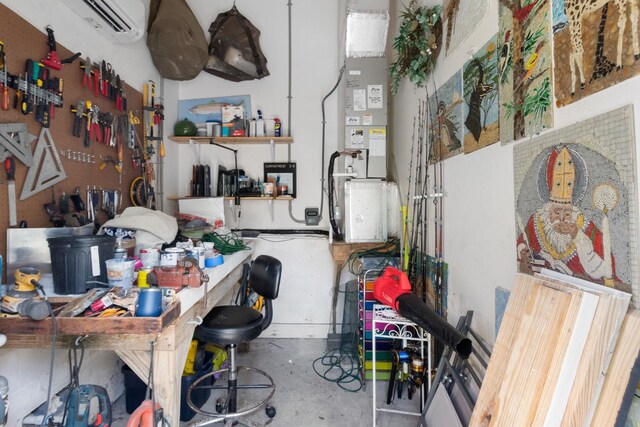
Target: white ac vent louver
(121, 21)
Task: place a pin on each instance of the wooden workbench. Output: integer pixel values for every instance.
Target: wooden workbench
(131, 337)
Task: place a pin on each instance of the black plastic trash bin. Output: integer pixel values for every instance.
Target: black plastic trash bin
(136, 390)
(76, 260)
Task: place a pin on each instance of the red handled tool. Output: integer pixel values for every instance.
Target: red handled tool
(393, 289)
(85, 66)
(52, 60)
(97, 79)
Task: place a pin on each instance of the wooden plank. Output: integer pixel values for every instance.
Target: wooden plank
(573, 352)
(96, 342)
(592, 366)
(90, 325)
(341, 250)
(527, 371)
(595, 361)
(619, 375)
(251, 140)
(528, 353)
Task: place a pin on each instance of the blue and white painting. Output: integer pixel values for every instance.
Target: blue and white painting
(203, 110)
(445, 106)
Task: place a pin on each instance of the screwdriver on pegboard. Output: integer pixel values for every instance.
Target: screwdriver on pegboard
(4, 83)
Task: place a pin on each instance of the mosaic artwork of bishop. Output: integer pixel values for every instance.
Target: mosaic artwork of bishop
(576, 202)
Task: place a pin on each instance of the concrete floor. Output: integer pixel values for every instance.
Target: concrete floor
(303, 398)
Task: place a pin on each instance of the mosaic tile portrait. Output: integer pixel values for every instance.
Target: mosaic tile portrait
(576, 201)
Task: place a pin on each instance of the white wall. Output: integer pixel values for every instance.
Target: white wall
(303, 308)
(315, 67)
(479, 204)
(28, 370)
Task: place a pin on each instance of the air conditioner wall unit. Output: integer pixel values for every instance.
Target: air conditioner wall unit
(121, 21)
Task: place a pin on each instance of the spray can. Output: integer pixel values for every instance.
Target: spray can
(119, 251)
(260, 124)
(277, 127)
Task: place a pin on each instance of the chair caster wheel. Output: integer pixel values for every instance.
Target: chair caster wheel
(270, 411)
(219, 406)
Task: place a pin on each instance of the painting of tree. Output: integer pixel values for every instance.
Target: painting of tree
(524, 68)
(480, 77)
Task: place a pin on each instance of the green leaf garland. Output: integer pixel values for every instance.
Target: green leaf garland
(417, 45)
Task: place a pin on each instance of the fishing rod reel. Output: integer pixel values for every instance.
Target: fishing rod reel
(407, 367)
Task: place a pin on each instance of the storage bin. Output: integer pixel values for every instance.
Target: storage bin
(76, 260)
(136, 389)
(200, 395)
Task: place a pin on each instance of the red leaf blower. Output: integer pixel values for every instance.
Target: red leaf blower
(393, 289)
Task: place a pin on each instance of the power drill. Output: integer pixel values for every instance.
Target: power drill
(24, 299)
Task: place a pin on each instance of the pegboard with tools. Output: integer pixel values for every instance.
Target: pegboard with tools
(84, 178)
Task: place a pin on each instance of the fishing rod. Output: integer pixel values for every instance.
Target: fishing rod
(438, 196)
(406, 248)
(416, 211)
(421, 176)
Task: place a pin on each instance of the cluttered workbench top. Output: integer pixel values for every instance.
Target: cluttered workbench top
(39, 332)
(189, 296)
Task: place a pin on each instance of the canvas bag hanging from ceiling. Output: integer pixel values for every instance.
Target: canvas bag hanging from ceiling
(234, 50)
(176, 40)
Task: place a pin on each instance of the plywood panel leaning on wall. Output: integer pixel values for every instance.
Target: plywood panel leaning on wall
(622, 376)
(551, 354)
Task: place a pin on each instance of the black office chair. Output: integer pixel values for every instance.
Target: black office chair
(231, 325)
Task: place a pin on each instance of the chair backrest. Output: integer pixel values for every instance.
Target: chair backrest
(264, 276)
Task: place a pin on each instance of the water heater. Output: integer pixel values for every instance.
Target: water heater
(365, 211)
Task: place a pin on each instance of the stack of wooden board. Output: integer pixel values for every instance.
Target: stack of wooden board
(552, 353)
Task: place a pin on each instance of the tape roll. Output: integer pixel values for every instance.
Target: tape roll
(214, 261)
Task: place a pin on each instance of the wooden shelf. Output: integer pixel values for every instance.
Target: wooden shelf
(232, 198)
(233, 139)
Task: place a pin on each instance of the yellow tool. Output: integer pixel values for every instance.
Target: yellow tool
(189, 366)
(112, 312)
(134, 120)
(109, 159)
(23, 289)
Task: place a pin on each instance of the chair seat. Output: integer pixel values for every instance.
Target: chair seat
(230, 324)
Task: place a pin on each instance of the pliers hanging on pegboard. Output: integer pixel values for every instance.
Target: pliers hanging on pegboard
(77, 120)
(95, 125)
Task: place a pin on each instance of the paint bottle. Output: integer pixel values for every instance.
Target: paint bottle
(277, 127)
(260, 124)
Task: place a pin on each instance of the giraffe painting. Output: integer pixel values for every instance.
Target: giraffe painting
(608, 56)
